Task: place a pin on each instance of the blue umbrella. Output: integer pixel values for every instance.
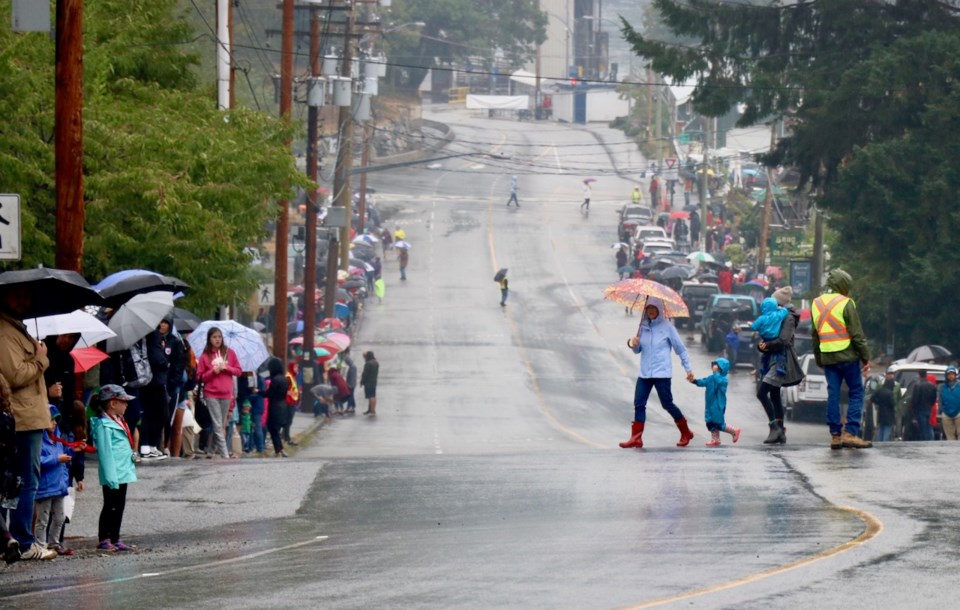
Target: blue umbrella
(118, 287)
(341, 311)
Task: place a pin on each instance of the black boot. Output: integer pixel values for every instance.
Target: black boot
(776, 433)
(782, 439)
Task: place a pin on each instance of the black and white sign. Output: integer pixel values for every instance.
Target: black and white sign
(265, 296)
(10, 227)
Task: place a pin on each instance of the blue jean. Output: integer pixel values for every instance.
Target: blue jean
(836, 374)
(884, 433)
(256, 414)
(28, 467)
(642, 393)
(504, 293)
(923, 421)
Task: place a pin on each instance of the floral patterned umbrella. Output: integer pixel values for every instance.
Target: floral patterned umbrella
(633, 293)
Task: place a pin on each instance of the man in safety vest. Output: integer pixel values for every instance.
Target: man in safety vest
(840, 349)
(636, 196)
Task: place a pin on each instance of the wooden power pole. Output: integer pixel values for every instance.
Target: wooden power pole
(341, 182)
(68, 135)
(283, 214)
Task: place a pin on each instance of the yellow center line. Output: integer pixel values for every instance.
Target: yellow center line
(872, 528)
(521, 348)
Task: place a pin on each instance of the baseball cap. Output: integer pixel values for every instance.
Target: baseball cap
(112, 391)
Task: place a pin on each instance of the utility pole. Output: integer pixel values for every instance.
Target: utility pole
(704, 193)
(68, 135)
(364, 162)
(657, 127)
(308, 366)
(818, 237)
(224, 89)
(341, 182)
(767, 205)
(649, 88)
(283, 213)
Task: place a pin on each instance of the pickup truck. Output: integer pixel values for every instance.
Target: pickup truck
(696, 295)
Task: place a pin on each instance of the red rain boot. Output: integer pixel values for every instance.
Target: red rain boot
(685, 434)
(636, 436)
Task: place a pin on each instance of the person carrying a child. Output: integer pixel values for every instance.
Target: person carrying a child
(117, 469)
(779, 367)
(716, 402)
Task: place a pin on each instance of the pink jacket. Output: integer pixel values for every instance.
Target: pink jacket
(218, 385)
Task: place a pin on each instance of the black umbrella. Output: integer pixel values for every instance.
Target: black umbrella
(184, 321)
(117, 288)
(54, 291)
(676, 273)
(929, 353)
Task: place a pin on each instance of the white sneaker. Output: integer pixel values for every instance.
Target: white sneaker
(38, 552)
(154, 456)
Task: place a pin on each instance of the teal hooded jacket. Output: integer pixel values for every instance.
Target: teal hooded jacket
(716, 394)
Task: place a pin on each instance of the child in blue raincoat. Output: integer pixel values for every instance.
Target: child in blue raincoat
(716, 402)
(768, 325)
(49, 515)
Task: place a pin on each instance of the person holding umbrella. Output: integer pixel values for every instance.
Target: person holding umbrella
(655, 340)
(216, 368)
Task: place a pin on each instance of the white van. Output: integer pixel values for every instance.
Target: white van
(648, 232)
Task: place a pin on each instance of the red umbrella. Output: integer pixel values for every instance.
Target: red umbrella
(331, 323)
(85, 358)
(684, 215)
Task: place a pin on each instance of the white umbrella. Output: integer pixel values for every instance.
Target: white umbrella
(245, 342)
(92, 330)
(366, 238)
(404, 245)
(701, 257)
(137, 318)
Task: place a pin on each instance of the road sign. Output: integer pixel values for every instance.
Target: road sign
(265, 295)
(10, 227)
(670, 169)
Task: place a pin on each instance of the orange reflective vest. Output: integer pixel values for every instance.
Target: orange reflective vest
(827, 314)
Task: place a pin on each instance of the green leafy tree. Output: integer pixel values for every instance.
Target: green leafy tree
(171, 183)
(893, 204)
(869, 91)
(455, 30)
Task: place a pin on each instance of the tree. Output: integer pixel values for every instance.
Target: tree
(869, 90)
(456, 30)
(172, 183)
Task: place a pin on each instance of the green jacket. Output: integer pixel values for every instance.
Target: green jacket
(839, 282)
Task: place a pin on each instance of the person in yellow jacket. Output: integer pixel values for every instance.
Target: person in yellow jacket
(840, 349)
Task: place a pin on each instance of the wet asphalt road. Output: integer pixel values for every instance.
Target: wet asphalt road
(492, 478)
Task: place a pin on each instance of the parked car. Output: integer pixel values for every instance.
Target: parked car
(630, 217)
(802, 340)
(696, 296)
(808, 400)
(645, 233)
(722, 312)
(905, 373)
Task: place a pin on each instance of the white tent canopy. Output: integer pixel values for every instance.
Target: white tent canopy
(498, 102)
(524, 78)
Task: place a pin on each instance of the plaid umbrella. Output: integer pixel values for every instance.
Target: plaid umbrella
(635, 292)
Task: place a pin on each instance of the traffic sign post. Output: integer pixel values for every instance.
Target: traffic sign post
(671, 169)
(10, 227)
(265, 295)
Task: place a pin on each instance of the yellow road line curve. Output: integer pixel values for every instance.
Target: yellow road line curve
(521, 348)
(872, 528)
